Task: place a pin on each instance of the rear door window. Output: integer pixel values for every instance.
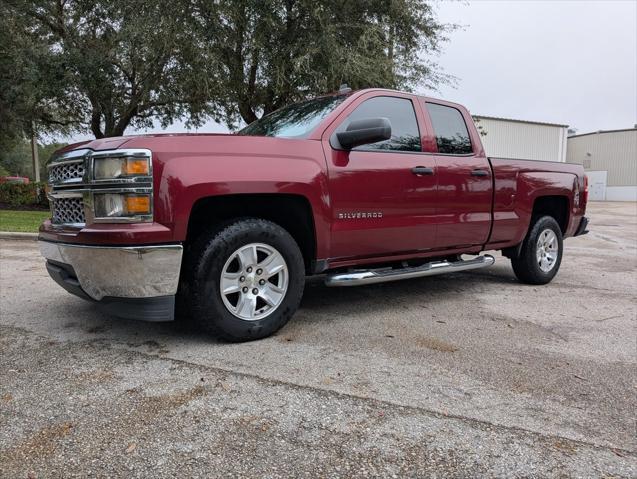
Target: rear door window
(452, 135)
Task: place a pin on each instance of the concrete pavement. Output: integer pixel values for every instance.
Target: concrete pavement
(456, 375)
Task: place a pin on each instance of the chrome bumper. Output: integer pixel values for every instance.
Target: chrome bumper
(120, 272)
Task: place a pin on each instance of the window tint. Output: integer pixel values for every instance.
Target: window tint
(451, 131)
(400, 112)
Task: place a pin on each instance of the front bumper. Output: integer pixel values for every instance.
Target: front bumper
(132, 281)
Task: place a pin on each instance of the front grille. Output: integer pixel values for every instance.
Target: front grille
(71, 180)
(67, 210)
(65, 172)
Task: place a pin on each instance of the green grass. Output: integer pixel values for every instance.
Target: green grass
(22, 221)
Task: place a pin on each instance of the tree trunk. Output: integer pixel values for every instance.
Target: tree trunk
(246, 112)
(117, 128)
(34, 155)
(96, 124)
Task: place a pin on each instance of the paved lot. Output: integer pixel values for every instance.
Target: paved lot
(454, 375)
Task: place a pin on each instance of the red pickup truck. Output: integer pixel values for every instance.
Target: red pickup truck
(361, 187)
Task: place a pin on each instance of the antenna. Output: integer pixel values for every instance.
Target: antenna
(343, 89)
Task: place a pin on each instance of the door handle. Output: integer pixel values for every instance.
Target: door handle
(479, 173)
(422, 170)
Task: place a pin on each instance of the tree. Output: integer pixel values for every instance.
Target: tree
(269, 53)
(117, 62)
(105, 65)
(29, 86)
(479, 127)
(15, 158)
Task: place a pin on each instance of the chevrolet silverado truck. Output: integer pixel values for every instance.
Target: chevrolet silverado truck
(360, 187)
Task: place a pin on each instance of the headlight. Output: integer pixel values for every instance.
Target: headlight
(120, 167)
(122, 205)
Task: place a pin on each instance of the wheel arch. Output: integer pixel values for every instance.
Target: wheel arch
(556, 206)
(292, 212)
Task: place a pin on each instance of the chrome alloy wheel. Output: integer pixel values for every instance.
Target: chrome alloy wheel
(254, 281)
(547, 250)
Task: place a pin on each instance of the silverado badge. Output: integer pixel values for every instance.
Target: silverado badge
(355, 215)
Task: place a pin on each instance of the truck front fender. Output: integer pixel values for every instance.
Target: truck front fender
(185, 181)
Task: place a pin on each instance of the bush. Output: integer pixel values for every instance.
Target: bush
(20, 194)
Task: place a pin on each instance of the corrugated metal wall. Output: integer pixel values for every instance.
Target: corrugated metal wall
(612, 151)
(522, 140)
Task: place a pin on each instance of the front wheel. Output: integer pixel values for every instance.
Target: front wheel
(541, 253)
(246, 280)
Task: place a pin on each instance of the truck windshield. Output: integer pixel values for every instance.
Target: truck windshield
(295, 120)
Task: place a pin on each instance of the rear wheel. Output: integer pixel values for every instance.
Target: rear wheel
(245, 280)
(541, 253)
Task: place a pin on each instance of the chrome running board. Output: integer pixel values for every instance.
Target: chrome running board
(359, 277)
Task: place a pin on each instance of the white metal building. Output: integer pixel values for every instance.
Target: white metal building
(524, 140)
(610, 161)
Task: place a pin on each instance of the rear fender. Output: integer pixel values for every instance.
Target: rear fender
(531, 186)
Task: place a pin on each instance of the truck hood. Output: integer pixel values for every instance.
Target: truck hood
(218, 149)
(96, 145)
(118, 141)
(219, 145)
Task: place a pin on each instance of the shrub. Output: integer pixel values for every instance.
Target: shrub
(20, 194)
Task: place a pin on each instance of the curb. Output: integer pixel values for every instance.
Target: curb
(7, 235)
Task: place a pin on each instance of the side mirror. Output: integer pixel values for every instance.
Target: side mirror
(363, 132)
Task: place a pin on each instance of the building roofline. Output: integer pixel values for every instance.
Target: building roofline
(603, 131)
(520, 121)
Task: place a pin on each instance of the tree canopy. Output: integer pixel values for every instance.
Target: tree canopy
(273, 52)
(104, 65)
(30, 84)
(114, 63)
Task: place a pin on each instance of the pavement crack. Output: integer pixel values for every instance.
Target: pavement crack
(477, 423)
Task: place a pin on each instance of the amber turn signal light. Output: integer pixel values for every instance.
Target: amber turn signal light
(137, 205)
(133, 166)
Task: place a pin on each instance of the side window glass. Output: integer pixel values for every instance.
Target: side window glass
(404, 126)
(450, 129)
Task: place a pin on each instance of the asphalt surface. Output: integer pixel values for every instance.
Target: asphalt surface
(458, 375)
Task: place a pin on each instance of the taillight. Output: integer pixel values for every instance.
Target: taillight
(585, 194)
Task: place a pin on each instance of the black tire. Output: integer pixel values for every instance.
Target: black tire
(205, 261)
(526, 266)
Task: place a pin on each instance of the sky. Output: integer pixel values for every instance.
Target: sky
(570, 62)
